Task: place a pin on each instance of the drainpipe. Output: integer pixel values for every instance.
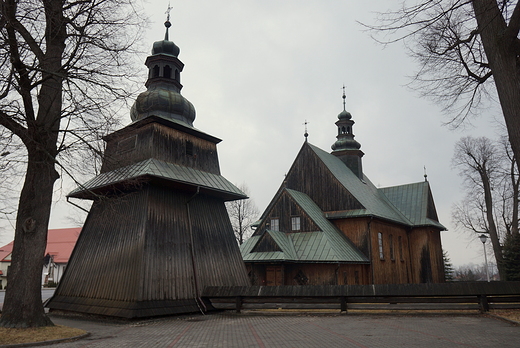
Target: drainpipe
(198, 300)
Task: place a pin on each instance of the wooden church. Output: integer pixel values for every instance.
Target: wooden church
(158, 230)
(329, 225)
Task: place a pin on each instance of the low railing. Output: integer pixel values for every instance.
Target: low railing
(480, 296)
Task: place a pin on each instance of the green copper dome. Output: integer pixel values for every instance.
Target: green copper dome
(344, 115)
(163, 99)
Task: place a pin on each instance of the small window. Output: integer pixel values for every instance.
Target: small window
(400, 246)
(391, 244)
(127, 144)
(275, 224)
(167, 72)
(189, 148)
(177, 75)
(380, 243)
(295, 223)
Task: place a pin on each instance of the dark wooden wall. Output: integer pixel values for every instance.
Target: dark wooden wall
(137, 249)
(155, 140)
(283, 209)
(306, 171)
(315, 273)
(426, 251)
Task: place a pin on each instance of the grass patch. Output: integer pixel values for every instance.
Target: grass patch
(31, 335)
(511, 314)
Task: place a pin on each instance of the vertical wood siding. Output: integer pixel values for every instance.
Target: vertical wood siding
(305, 174)
(136, 250)
(155, 140)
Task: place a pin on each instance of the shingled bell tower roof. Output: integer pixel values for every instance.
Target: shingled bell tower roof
(162, 97)
(346, 147)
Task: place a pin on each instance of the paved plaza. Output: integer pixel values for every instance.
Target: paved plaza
(297, 330)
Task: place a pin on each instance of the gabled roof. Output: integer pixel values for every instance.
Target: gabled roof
(153, 168)
(326, 245)
(60, 243)
(373, 200)
(415, 201)
(5, 252)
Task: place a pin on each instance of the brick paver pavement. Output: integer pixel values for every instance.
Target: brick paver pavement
(254, 330)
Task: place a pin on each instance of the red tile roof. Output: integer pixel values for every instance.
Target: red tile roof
(60, 243)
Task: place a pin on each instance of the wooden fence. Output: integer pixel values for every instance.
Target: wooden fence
(446, 296)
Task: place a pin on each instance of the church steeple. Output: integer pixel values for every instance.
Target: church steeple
(346, 147)
(163, 97)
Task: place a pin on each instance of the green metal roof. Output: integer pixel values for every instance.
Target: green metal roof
(163, 170)
(413, 200)
(373, 200)
(326, 245)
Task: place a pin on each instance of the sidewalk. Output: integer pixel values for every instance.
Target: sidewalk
(296, 330)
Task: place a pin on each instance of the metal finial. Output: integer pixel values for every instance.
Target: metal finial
(425, 175)
(306, 134)
(167, 24)
(344, 98)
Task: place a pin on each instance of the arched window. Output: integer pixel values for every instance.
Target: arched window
(177, 75)
(343, 130)
(155, 71)
(167, 72)
(391, 244)
(348, 130)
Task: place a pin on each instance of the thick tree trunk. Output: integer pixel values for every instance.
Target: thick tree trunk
(23, 303)
(500, 44)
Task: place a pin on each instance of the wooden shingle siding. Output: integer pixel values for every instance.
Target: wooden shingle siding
(163, 143)
(138, 248)
(308, 174)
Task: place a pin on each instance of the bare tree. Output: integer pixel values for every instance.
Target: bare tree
(464, 47)
(63, 67)
(491, 181)
(243, 213)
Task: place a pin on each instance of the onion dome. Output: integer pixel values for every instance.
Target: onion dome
(344, 115)
(162, 97)
(345, 138)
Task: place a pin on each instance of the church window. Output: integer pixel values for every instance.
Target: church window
(155, 72)
(391, 244)
(400, 245)
(189, 148)
(380, 243)
(177, 75)
(348, 130)
(301, 278)
(167, 72)
(295, 223)
(275, 224)
(343, 130)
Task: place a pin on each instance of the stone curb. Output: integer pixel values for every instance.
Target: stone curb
(46, 343)
(503, 319)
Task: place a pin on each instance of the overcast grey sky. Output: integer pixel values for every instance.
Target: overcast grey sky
(257, 70)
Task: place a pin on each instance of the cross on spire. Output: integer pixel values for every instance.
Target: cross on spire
(305, 134)
(167, 24)
(168, 12)
(344, 98)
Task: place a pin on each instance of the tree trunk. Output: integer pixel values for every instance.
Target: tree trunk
(499, 43)
(23, 302)
(492, 227)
